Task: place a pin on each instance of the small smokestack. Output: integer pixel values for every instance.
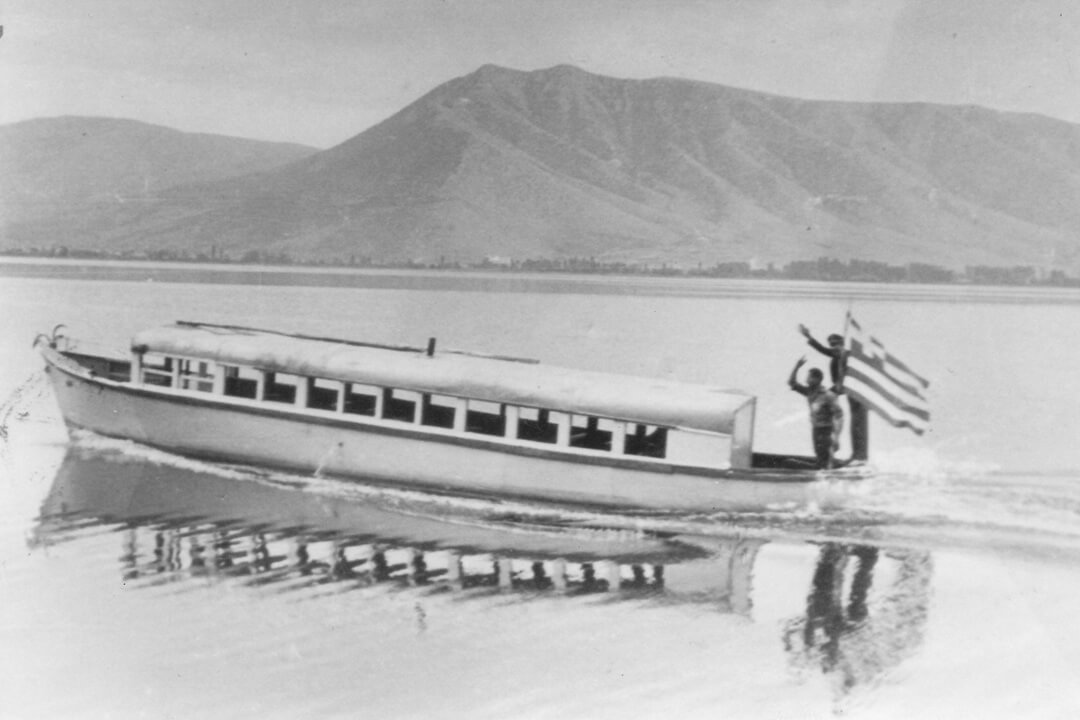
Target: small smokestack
(431, 347)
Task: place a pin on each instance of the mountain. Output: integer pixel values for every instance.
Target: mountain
(51, 165)
(561, 162)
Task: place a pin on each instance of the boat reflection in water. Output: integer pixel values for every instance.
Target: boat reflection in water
(842, 633)
(865, 609)
(178, 522)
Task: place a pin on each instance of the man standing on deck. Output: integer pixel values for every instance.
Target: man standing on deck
(826, 415)
(860, 425)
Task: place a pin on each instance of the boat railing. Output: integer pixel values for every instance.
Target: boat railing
(90, 349)
(353, 343)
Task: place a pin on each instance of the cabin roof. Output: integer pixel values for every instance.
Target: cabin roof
(523, 383)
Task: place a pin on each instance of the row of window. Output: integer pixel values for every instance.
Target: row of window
(478, 417)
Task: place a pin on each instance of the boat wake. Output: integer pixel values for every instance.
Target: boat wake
(18, 404)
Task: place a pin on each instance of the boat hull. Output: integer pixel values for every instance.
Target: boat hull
(409, 456)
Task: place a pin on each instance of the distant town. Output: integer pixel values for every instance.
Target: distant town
(823, 269)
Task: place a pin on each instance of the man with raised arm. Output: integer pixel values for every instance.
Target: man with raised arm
(826, 415)
(838, 360)
(836, 353)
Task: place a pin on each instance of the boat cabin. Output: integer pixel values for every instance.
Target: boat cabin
(448, 394)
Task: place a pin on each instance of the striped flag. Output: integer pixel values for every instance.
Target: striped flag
(882, 383)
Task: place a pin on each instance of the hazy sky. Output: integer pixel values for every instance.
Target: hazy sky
(321, 71)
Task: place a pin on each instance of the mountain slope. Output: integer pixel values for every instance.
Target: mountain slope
(560, 162)
(53, 163)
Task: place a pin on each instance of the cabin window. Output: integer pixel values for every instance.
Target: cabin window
(196, 375)
(322, 394)
(157, 370)
(242, 382)
(591, 433)
(439, 410)
(646, 440)
(400, 405)
(362, 399)
(281, 387)
(536, 426)
(485, 418)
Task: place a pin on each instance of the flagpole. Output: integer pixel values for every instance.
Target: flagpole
(847, 321)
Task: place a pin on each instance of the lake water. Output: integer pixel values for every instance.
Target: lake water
(134, 583)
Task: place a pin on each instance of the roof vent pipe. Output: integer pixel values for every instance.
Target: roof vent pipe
(431, 347)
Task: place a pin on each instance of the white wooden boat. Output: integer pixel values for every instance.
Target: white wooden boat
(438, 420)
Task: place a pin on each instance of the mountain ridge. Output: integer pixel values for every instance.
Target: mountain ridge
(562, 162)
(84, 159)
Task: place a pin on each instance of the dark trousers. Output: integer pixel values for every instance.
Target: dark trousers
(823, 446)
(860, 430)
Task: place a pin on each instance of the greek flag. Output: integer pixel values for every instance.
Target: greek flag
(882, 383)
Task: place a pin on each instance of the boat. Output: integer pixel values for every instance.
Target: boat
(425, 418)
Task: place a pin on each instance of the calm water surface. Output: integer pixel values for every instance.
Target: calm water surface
(134, 583)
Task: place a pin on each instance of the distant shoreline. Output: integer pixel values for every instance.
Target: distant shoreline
(821, 270)
(504, 281)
